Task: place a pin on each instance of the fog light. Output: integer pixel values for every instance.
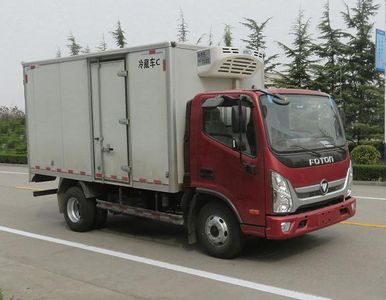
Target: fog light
(285, 226)
(353, 206)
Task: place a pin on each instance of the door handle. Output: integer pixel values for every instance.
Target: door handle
(250, 168)
(207, 174)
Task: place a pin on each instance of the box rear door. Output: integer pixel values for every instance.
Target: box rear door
(110, 121)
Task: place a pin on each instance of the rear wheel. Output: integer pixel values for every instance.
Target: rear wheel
(79, 212)
(219, 231)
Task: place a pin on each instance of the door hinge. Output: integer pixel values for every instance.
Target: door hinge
(123, 73)
(126, 169)
(124, 121)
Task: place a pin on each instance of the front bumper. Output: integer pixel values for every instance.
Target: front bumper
(309, 221)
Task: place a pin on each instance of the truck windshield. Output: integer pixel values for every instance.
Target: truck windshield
(306, 123)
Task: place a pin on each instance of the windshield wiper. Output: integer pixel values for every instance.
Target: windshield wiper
(336, 146)
(306, 149)
(340, 147)
(277, 98)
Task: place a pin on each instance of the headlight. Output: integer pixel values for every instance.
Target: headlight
(281, 196)
(349, 179)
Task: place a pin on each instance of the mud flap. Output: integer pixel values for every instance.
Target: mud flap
(191, 222)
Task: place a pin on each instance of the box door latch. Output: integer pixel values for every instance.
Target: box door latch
(124, 121)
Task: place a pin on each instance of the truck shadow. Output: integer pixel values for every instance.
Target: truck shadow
(256, 249)
(271, 250)
(144, 229)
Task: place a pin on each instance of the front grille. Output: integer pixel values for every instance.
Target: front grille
(313, 206)
(309, 194)
(335, 186)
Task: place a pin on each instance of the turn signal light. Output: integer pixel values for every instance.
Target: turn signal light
(254, 212)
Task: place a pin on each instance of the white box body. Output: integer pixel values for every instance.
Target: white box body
(116, 117)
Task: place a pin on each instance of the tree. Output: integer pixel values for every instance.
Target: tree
(182, 28)
(119, 36)
(329, 72)
(73, 46)
(298, 71)
(12, 131)
(228, 35)
(102, 44)
(210, 37)
(7, 113)
(256, 41)
(363, 89)
(86, 50)
(200, 38)
(58, 53)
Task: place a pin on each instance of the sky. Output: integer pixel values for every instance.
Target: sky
(34, 29)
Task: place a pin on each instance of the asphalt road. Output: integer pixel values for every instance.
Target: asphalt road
(40, 258)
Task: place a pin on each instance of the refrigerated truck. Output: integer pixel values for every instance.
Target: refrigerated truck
(186, 135)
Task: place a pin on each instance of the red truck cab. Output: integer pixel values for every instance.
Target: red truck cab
(278, 159)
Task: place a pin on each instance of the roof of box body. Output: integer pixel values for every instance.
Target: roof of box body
(112, 53)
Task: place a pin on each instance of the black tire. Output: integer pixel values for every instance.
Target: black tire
(100, 218)
(79, 212)
(219, 231)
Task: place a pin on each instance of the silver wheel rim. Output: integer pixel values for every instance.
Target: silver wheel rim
(73, 209)
(216, 230)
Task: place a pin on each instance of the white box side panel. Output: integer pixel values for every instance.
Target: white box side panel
(29, 96)
(148, 119)
(58, 118)
(75, 117)
(43, 101)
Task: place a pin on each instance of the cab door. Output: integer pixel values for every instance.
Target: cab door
(226, 158)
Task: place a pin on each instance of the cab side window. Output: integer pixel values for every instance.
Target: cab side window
(215, 125)
(222, 124)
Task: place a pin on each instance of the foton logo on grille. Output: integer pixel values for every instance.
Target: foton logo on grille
(321, 161)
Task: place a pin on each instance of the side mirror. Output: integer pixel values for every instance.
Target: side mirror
(239, 119)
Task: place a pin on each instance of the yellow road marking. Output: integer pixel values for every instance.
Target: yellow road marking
(28, 188)
(363, 224)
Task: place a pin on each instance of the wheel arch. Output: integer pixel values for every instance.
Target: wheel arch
(90, 190)
(218, 197)
(199, 198)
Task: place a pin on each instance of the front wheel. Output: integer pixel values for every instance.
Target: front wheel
(79, 212)
(219, 231)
